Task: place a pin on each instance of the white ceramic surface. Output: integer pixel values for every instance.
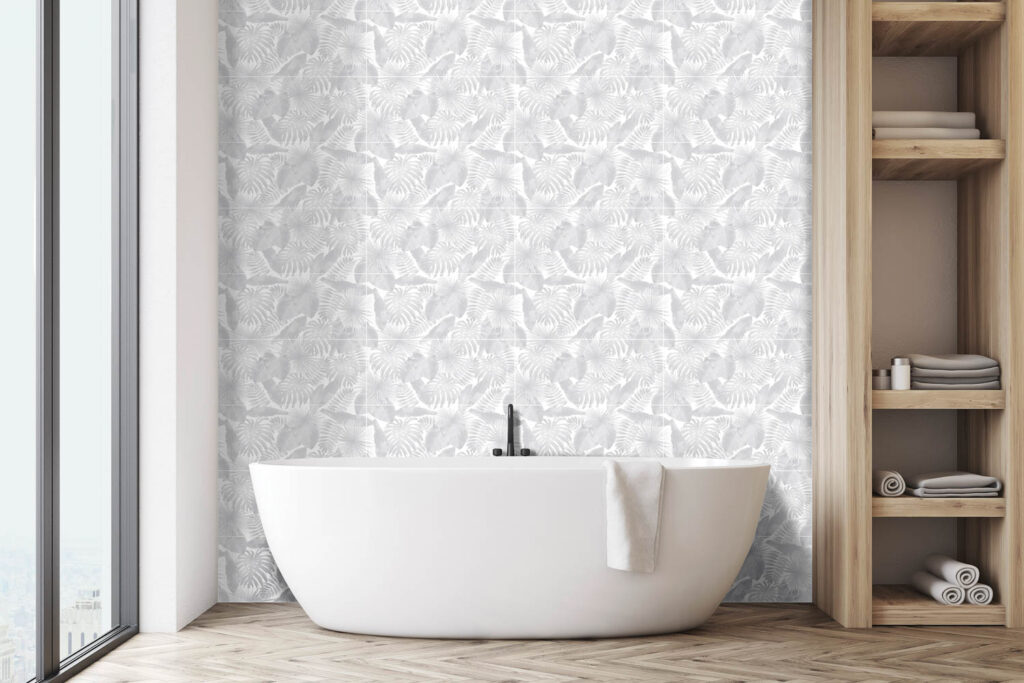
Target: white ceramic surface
(499, 547)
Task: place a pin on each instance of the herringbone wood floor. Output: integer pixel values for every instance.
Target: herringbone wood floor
(276, 642)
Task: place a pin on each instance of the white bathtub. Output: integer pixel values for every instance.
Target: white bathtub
(499, 547)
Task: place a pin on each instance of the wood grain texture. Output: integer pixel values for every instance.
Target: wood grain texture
(932, 159)
(276, 642)
(842, 310)
(929, 399)
(911, 506)
(991, 301)
(904, 606)
(931, 28)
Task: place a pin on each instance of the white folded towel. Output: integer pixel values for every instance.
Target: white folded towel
(942, 591)
(930, 375)
(954, 480)
(633, 508)
(923, 119)
(979, 594)
(945, 386)
(956, 572)
(888, 483)
(925, 133)
(951, 361)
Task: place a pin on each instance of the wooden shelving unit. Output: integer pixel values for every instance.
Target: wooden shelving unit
(916, 399)
(904, 606)
(928, 29)
(988, 40)
(932, 159)
(909, 506)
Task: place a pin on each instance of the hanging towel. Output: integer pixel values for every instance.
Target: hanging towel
(925, 133)
(938, 376)
(923, 119)
(957, 573)
(979, 594)
(952, 361)
(942, 591)
(888, 483)
(633, 508)
(933, 386)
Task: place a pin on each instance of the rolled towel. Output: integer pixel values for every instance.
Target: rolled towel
(951, 361)
(942, 591)
(979, 594)
(931, 375)
(925, 133)
(932, 386)
(888, 483)
(911, 119)
(958, 573)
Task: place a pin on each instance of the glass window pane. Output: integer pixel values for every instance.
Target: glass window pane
(17, 401)
(85, 321)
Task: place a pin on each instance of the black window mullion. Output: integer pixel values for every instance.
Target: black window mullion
(124, 540)
(48, 336)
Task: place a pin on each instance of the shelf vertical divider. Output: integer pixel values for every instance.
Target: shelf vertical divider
(990, 309)
(842, 310)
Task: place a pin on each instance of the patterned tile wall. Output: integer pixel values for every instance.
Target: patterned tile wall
(596, 209)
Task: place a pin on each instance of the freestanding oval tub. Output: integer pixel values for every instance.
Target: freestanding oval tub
(499, 547)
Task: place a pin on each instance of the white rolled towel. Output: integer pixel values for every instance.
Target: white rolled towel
(888, 483)
(979, 594)
(956, 572)
(943, 591)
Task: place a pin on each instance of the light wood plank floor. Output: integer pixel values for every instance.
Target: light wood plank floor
(276, 642)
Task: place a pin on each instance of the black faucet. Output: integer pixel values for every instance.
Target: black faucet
(510, 447)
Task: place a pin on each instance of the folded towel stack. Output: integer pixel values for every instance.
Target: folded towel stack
(951, 582)
(924, 125)
(953, 371)
(954, 485)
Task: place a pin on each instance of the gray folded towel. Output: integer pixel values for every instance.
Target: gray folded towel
(994, 384)
(953, 380)
(979, 594)
(942, 591)
(939, 119)
(954, 485)
(888, 483)
(929, 374)
(953, 361)
(925, 133)
(956, 572)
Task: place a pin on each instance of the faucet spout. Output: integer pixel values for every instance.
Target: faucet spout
(510, 448)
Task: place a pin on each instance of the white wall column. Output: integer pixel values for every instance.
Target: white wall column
(178, 311)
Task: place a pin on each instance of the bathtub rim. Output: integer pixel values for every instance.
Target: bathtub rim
(486, 463)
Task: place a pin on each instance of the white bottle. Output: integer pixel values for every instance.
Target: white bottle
(900, 374)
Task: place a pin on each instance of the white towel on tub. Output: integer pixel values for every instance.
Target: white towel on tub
(633, 503)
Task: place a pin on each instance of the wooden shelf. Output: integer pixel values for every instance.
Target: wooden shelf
(904, 606)
(931, 28)
(932, 159)
(911, 506)
(917, 399)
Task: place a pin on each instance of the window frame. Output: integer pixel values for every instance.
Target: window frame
(125, 344)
